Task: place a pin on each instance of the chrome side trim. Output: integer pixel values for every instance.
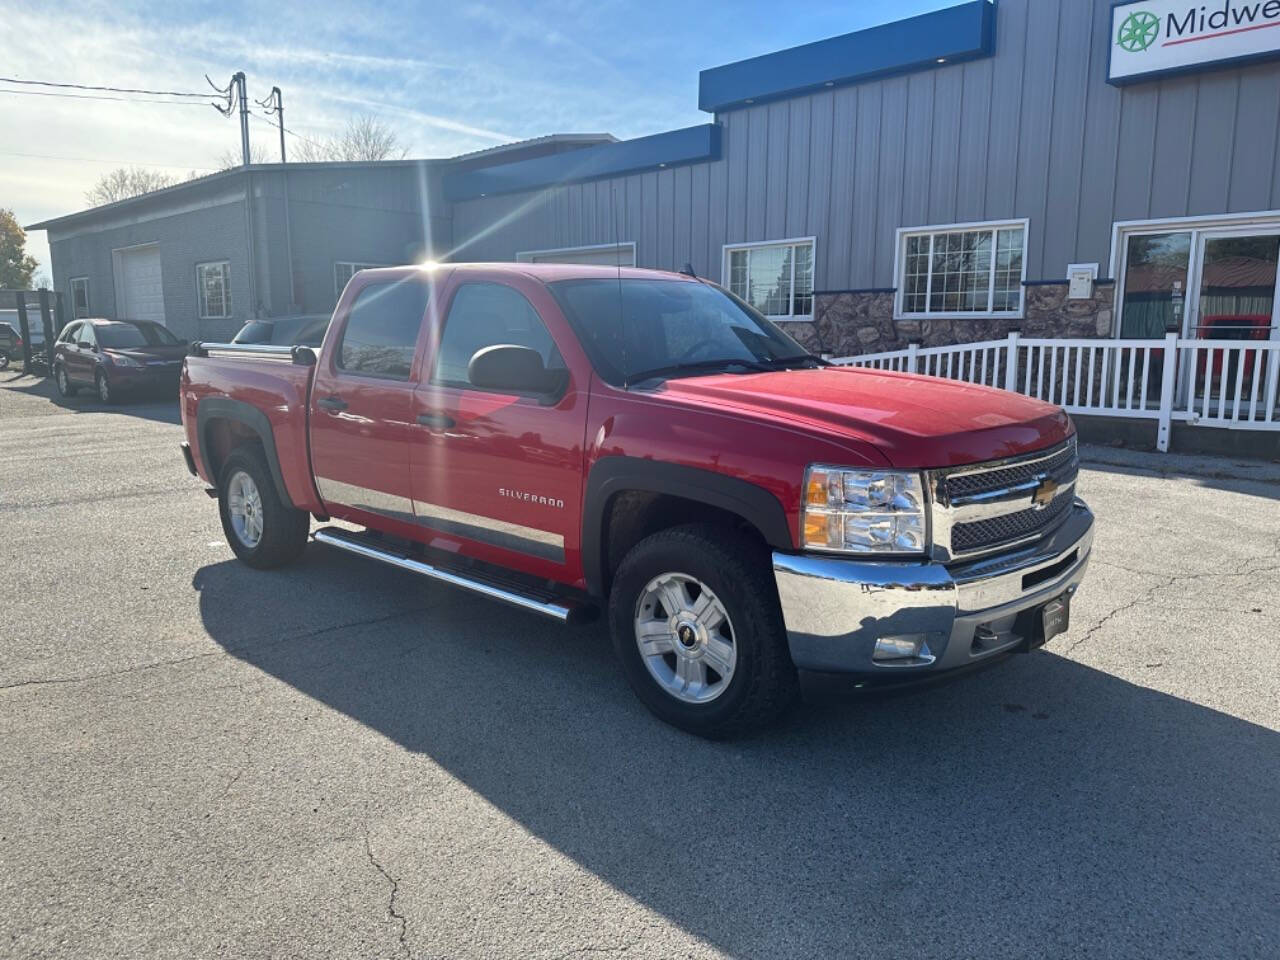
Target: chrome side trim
(365, 498)
(554, 610)
(498, 533)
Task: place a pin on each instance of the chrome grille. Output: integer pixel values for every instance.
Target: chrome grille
(988, 507)
(1061, 466)
(979, 534)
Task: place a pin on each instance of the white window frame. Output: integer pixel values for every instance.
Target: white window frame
(730, 248)
(356, 266)
(1122, 230)
(899, 264)
(226, 290)
(527, 256)
(88, 309)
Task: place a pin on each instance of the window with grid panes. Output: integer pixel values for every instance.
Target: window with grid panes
(963, 271)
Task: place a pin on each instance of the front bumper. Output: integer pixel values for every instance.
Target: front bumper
(836, 609)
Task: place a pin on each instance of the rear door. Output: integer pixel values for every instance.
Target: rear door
(499, 475)
(361, 403)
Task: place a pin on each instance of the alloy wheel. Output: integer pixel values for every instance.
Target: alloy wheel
(685, 637)
(244, 506)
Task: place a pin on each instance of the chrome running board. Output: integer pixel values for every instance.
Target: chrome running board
(547, 604)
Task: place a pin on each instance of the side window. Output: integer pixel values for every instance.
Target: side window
(69, 334)
(86, 335)
(485, 314)
(382, 329)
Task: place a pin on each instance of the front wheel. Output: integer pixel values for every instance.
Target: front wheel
(104, 387)
(262, 529)
(696, 623)
(65, 388)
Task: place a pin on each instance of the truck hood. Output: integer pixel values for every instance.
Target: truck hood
(914, 421)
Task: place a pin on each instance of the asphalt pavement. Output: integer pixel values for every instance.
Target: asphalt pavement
(342, 760)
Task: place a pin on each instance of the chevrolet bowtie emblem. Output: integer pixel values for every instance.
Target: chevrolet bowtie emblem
(1044, 494)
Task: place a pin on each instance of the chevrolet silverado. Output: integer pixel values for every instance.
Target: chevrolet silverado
(573, 439)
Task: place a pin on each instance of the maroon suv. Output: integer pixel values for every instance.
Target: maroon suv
(115, 357)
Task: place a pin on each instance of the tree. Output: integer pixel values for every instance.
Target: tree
(363, 138)
(125, 182)
(231, 158)
(16, 266)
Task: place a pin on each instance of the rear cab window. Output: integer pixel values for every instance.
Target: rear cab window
(380, 336)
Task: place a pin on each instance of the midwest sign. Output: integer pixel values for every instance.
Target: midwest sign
(1166, 36)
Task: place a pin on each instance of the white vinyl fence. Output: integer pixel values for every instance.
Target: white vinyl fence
(1216, 383)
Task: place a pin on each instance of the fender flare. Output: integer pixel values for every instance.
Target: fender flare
(225, 408)
(612, 475)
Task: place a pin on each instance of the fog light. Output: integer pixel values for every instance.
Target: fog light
(906, 647)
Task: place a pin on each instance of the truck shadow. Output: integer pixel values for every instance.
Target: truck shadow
(1032, 809)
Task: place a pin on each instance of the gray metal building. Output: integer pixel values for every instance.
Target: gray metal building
(942, 179)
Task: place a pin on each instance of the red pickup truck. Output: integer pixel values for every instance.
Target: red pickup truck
(571, 439)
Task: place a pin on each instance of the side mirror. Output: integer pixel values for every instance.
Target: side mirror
(508, 367)
(84, 345)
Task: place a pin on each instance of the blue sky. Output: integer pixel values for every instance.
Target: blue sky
(448, 77)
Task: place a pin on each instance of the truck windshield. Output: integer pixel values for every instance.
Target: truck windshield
(635, 330)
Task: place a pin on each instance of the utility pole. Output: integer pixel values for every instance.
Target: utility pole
(275, 104)
(238, 81)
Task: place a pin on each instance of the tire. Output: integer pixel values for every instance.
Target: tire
(281, 531)
(761, 682)
(4, 360)
(63, 382)
(103, 385)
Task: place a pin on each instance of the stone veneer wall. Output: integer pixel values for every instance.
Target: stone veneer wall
(851, 323)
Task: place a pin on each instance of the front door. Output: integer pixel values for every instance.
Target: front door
(498, 476)
(361, 422)
(82, 355)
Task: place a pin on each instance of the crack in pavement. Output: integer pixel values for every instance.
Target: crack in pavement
(1245, 569)
(391, 901)
(224, 651)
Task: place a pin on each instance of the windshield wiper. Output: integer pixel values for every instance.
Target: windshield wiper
(780, 363)
(755, 366)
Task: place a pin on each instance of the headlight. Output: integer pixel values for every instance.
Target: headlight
(122, 361)
(863, 511)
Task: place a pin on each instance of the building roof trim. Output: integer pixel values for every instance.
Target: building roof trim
(673, 148)
(952, 35)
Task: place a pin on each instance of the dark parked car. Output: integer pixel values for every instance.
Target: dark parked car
(307, 331)
(10, 344)
(115, 357)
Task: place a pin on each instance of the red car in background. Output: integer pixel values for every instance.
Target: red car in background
(117, 357)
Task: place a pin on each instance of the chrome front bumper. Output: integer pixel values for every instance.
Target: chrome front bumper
(835, 609)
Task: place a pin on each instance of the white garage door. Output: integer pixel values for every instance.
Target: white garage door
(609, 255)
(141, 293)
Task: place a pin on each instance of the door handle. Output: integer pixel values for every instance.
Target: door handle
(441, 421)
(332, 404)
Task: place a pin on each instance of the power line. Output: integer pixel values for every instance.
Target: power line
(91, 96)
(132, 163)
(290, 132)
(83, 86)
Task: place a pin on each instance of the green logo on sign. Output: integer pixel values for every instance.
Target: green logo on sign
(1138, 31)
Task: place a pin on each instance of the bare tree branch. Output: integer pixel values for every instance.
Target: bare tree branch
(125, 182)
(365, 137)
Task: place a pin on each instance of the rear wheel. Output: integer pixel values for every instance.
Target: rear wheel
(261, 528)
(4, 359)
(697, 626)
(63, 381)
